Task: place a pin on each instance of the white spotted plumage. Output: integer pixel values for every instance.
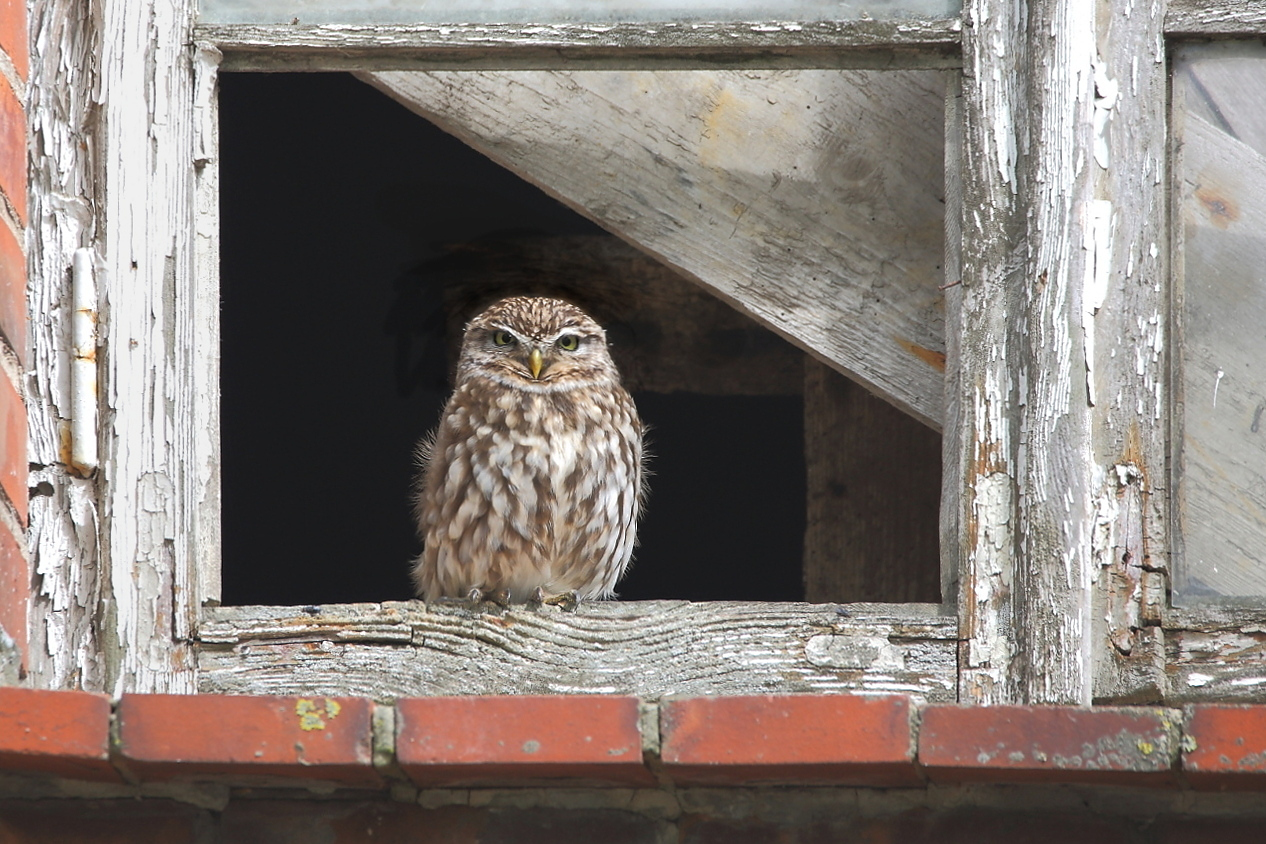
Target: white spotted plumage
(533, 482)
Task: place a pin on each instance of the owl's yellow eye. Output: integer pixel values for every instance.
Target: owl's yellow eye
(502, 338)
(569, 342)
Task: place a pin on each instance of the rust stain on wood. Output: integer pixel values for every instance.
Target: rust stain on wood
(1222, 210)
(931, 357)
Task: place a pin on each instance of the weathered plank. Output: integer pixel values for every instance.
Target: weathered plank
(650, 649)
(873, 497)
(1215, 654)
(1221, 478)
(1060, 359)
(1225, 17)
(812, 201)
(1052, 603)
(1124, 326)
(984, 310)
(665, 45)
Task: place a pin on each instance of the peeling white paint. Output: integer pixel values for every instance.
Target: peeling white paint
(1106, 93)
(83, 373)
(1098, 243)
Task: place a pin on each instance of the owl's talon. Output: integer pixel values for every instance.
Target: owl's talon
(501, 598)
(538, 596)
(475, 595)
(566, 601)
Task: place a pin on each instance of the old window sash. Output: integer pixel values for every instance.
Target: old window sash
(136, 620)
(649, 648)
(1064, 274)
(1215, 652)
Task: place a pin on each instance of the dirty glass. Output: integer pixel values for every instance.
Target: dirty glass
(1219, 96)
(563, 11)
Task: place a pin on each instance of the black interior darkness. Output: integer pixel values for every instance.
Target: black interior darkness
(330, 194)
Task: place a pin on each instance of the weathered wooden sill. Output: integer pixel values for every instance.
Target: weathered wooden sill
(666, 46)
(1201, 18)
(1215, 654)
(644, 648)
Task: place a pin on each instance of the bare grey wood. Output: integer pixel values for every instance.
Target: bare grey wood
(1225, 17)
(666, 333)
(873, 497)
(1125, 334)
(985, 312)
(1221, 451)
(1052, 606)
(826, 229)
(664, 46)
(952, 445)
(650, 649)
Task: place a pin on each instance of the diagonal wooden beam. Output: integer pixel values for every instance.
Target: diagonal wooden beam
(811, 200)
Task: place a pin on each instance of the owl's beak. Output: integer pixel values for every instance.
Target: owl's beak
(536, 362)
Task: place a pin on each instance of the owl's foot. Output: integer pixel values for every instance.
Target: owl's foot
(477, 597)
(566, 601)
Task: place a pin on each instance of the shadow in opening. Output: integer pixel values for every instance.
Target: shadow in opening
(331, 195)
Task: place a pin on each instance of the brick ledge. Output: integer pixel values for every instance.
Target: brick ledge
(849, 740)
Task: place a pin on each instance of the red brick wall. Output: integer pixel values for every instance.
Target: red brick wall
(14, 573)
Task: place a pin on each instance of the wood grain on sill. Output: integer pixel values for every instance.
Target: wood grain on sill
(644, 648)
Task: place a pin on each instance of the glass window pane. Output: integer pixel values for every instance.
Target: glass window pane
(1220, 122)
(564, 11)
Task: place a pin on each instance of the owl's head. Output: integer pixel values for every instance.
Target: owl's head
(538, 344)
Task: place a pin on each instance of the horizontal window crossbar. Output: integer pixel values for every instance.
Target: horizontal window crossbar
(666, 46)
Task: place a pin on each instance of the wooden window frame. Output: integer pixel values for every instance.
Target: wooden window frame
(1056, 508)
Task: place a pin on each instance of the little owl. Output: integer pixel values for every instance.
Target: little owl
(532, 485)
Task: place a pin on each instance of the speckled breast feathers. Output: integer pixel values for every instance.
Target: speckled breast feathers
(532, 484)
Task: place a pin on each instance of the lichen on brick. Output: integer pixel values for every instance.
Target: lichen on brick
(312, 716)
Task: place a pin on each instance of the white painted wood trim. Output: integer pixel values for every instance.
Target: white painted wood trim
(146, 244)
(65, 633)
(203, 447)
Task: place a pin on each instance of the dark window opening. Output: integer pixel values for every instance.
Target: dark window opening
(335, 201)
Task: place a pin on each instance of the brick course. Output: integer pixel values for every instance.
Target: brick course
(481, 740)
(837, 739)
(14, 566)
(12, 149)
(1135, 745)
(15, 586)
(1224, 746)
(62, 733)
(580, 741)
(199, 736)
(12, 292)
(13, 38)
